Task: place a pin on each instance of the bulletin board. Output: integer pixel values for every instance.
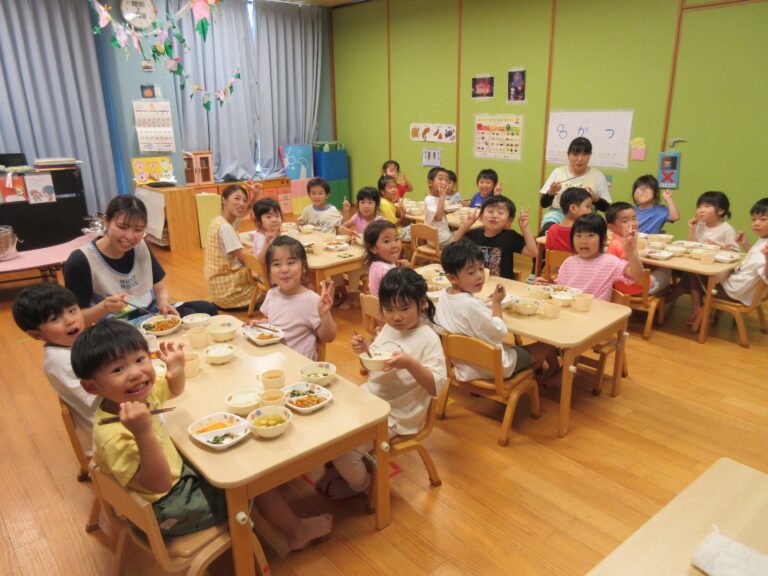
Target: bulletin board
(608, 130)
(498, 136)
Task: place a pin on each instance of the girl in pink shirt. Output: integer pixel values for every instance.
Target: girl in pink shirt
(383, 246)
(590, 269)
(368, 200)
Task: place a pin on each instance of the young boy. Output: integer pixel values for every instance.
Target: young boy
(460, 312)
(496, 240)
(392, 168)
(434, 204)
(268, 218)
(111, 359)
(390, 206)
(50, 313)
(323, 216)
(487, 185)
(575, 202)
(622, 218)
(452, 196)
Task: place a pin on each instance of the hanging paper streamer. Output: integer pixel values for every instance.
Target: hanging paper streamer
(163, 40)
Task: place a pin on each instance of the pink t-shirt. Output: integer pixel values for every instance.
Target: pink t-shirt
(361, 223)
(259, 239)
(375, 274)
(594, 276)
(297, 316)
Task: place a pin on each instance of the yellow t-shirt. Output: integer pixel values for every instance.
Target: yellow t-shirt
(388, 210)
(115, 449)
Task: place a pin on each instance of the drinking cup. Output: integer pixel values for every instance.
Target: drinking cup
(317, 248)
(198, 337)
(191, 364)
(274, 397)
(708, 257)
(582, 302)
(272, 379)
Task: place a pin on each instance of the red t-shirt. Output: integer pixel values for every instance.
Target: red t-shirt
(402, 189)
(558, 238)
(616, 248)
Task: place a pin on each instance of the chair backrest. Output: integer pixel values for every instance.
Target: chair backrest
(645, 282)
(552, 262)
(424, 233)
(620, 298)
(371, 311)
(474, 351)
(761, 294)
(77, 447)
(257, 274)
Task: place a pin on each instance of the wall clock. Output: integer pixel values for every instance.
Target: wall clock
(140, 14)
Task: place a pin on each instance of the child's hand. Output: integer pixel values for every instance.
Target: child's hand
(399, 360)
(173, 355)
(693, 222)
(464, 202)
(539, 281)
(403, 263)
(326, 298)
(554, 188)
(442, 188)
(498, 294)
(358, 341)
(667, 194)
(629, 240)
(741, 240)
(523, 218)
(592, 193)
(764, 251)
(136, 417)
(498, 189)
(471, 219)
(114, 303)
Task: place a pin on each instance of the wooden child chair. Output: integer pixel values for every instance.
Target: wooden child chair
(648, 303)
(738, 310)
(133, 518)
(505, 391)
(257, 277)
(424, 243)
(552, 263)
(371, 312)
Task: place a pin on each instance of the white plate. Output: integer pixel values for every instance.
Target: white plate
(452, 207)
(239, 429)
(659, 254)
(567, 289)
(157, 318)
(686, 244)
(253, 333)
(337, 247)
(508, 300)
(727, 257)
(316, 389)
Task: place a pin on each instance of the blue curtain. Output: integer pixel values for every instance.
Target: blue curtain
(51, 94)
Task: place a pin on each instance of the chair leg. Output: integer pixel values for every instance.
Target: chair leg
(533, 392)
(649, 320)
(662, 312)
(93, 516)
(506, 423)
(121, 551)
(624, 367)
(442, 402)
(761, 317)
(434, 477)
(743, 339)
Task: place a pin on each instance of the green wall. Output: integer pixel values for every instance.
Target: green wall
(607, 55)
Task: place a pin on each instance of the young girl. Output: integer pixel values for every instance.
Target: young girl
(383, 248)
(303, 315)
(651, 216)
(392, 168)
(268, 219)
(709, 226)
(411, 378)
(368, 200)
(590, 269)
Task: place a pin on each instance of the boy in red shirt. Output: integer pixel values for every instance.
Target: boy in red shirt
(574, 202)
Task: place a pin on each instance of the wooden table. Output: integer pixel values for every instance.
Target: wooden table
(454, 219)
(257, 465)
(573, 332)
(730, 495)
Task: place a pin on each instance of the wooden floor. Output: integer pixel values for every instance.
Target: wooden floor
(542, 505)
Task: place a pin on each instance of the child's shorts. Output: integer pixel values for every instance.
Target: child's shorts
(191, 505)
(523, 360)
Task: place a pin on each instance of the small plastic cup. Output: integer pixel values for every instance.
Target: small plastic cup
(317, 248)
(550, 309)
(198, 337)
(191, 364)
(582, 302)
(272, 379)
(274, 397)
(708, 257)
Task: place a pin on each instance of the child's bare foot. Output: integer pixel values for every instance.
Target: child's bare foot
(693, 319)
(553, 380)
(311, 530)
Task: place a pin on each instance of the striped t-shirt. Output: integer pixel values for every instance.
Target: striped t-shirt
(594, 275)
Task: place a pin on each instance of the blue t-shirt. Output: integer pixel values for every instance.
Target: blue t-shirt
(651, 220)
(477, 200)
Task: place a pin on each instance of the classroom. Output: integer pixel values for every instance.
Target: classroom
(338, 365)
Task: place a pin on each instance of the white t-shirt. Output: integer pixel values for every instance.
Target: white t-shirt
(229, 242)
(742, 282)
(723, 235)
(409, 402)
(325, 220)
(592, 178)
(430, 209)
(466, 315)
(297, 316)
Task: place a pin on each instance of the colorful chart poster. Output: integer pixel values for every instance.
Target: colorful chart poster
(12, 188)
(40, 187)
(152, 169)
(423, 132)
(499, 136)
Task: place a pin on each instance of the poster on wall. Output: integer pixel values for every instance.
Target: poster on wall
(423, 132)
(40, 187)
(607, 130)
(498, 136)
(154, 126)
(482, 86)
(516, 85)
(12, 188)
(432, 157)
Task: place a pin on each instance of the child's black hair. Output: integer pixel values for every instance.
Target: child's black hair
(717, 199)
(580, 145)
(495, 199)
(646, 180)
(432, 174)
(263, 207)
(489, 174)
(383, 181)
(35, 305)
(368, 193)
(612, 212)
(322, 182)
(759, 208)
(458, 255)
(102, 343)
(573, 196)
(403, 285)
(593, 223)
(451, 176)
(371, 236)
(295, 249)
(231, 189)
(134, 209)
(389, 163)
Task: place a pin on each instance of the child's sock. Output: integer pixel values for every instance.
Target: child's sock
(311, 530)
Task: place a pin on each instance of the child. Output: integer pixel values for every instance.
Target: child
(392, 168)
(589, 269)
(434, 204)
(268, 219)
(368, 200)
(50, 313)
(496, 240)
(452, 196)
(742, 282)
(302, 314)
(323, 216)
(460, 312)
(621, 218)
(390, 206)
(575, 202)
(487, 185)
(651, 215)
(411, 378)
(709, 226)
(111, 359)
(383, 248)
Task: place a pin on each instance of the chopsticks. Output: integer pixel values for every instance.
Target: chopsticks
(139, 307)
(267, 328)
(365, 345)
(113, 419)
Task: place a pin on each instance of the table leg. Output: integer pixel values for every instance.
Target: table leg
(704, 328)
(240, 531)
(382, 476)
(539, 259)
(566, 388)
(618, 362)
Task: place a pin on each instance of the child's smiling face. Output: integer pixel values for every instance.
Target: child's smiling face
(61, 329)
(586, 244)
(470, 279)
(270, 222)
(388, 247)
(367, 208)
(129, 378)
(286, 270)
(643, 196)
(495, 218)
(624, 220)
(759, 225)
(390, 191)
(318, 196)
(485, 186)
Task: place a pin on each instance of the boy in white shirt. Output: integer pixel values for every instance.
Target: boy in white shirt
(743, 281)
(434, 204)
(460, 312)
(323, 216)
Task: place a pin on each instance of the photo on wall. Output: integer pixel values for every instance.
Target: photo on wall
(516, 85)
(482, 86)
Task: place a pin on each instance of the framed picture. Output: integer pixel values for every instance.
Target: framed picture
(482, 86)
(516, 85)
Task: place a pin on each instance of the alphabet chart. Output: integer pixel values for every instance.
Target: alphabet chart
(499, 136)
(154, 126)
(607, 130)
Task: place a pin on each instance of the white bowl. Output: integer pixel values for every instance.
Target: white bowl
(266, 412)
(526, 306)
(696, 253)
(343, 238)
(375, 363)
(222, 332)
(307, 229)
(663, 238)
(675, 250)
(243, 402)
(657, 245)
(219, 353)
(318, 372)
(539, 292)
(582, 302)
(195, 320)
(565, 299)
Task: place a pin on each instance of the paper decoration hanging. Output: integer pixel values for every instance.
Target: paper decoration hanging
(498, 136)
(421, 132)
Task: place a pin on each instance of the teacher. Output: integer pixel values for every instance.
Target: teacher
(116, 273)
(576, 174)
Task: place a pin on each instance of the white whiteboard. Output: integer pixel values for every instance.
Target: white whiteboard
(608, 130)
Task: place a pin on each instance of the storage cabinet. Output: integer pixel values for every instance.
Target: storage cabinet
(198, 167)
(180, 229)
